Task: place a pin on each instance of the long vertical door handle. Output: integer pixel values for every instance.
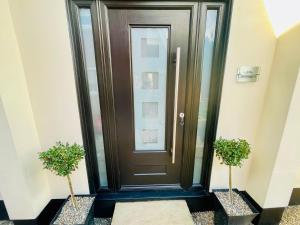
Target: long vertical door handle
(175, 104)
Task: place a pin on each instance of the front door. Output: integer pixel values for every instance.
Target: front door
(149, 57)
(149, 77)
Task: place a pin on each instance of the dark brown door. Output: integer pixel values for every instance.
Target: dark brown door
(149, 53)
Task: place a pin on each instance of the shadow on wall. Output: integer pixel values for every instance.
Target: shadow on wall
(3, 212)
(295, 198)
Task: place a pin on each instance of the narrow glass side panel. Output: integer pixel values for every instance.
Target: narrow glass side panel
(207, 56)
(89, 55)
(149, 49)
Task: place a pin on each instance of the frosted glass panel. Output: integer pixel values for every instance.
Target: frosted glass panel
(88, 47)
(150, 47)
(150, 136)
(150, 110)
(149, 71)
(210, 29)
(150, 80)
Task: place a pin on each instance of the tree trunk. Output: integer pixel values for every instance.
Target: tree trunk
(72, 193)
(230, 186)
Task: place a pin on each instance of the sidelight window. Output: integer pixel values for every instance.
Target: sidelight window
(92, 84)
(207, 59)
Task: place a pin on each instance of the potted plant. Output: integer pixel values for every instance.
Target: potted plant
(237, 208)
(63, 159)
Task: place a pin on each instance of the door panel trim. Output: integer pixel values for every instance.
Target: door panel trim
(151, 187)
(103, 60)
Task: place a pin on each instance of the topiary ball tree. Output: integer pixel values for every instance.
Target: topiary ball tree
(231, 153)
(63, 159)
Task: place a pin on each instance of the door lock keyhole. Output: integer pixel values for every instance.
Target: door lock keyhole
(181, 119)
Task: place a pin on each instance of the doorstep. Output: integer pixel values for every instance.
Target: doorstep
(167, 212)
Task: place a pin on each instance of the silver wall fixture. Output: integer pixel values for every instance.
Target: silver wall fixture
(247, 74)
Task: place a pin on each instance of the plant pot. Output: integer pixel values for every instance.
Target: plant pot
(239, 219)
(89, 218)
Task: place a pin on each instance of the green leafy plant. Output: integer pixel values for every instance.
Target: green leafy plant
(63, 159)
(232, 153)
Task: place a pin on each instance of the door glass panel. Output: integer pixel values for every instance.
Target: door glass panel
(150, 110)
(207, 57)
(150, 80)
(149, 47)
(89, 55)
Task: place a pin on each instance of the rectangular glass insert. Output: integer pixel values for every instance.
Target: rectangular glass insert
(149, 47)
(91, 72)
(207, 59)
(150, 80)
(150, 136)
(150, 110)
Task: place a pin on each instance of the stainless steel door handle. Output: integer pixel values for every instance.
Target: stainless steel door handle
(175, 104)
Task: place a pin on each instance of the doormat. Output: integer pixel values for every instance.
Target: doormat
(173, 212)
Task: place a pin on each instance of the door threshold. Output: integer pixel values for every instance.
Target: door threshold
(141, 195)
(197, 200)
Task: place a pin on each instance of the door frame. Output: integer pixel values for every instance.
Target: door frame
(103, 64)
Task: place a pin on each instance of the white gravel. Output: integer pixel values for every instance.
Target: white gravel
(102, 221)
(204, 218)
(208, 218)
(239, 206)
(291, 216)
(6, 222)
(69, 215)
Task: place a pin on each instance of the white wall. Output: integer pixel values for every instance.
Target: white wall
(267, 167)
(19, 138)
(43, 36)
(287, 164)
(251, 42)
(297, 181)
(17, 201)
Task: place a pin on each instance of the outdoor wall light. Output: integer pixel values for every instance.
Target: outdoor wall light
(247, 74)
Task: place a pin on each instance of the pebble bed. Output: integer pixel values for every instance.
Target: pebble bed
(208, 218)
(291, 216)
(69, 215)
(239, 206)
(102, 221)
(204, 218)
(5, 222)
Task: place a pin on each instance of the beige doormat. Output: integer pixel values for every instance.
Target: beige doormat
(152, 213)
